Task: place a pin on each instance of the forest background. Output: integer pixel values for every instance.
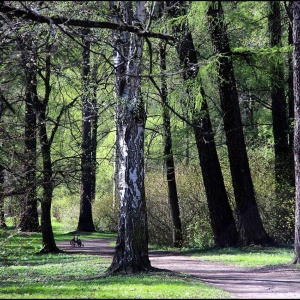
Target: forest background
(60, 142)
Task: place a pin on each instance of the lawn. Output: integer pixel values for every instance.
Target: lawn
(26, 274)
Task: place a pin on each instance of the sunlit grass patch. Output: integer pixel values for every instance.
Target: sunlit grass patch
(146, 286)
(247, 256)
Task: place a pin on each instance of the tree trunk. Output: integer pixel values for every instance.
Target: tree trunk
(40, 107)
(94, 141)
(221, 215)
(46, 225)
(85, 222)
(2, 218)
(168, 154)
(291, 94)
(296, 79)
(3, 105)
(283, 157)
(131, 252)
(251, 229)
(29, 220)
(279, 110)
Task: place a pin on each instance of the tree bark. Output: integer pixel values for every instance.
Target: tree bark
(94, 140)
(168, 154)
(3, 105)
(40, 107)
(283, 157)
(131, 252)
(49, 244)
(29, 14)
(2, 218)
(221, 215)
(85, 222)
(291, 93)
(279, 110)
(250, 226)
(296, 79)
(29, 215)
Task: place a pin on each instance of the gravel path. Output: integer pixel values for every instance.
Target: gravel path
(275, 282)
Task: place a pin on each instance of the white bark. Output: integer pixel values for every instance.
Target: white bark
(132, 244)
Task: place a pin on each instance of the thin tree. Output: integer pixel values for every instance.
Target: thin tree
(85, 222)
(296, 79)
(29, 220)
(3, 106)
(290, 91)
(250, 226)
(2, 169)
(40, 106)
(131, 252)
(283, 157)
(168, 154)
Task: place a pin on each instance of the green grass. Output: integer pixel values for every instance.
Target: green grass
(25, 274)
(28, 275)
(83, 278)
(247, 256)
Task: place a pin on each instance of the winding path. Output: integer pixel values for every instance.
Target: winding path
(275, 282)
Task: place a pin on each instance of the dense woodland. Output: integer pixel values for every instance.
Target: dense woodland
(170, 122)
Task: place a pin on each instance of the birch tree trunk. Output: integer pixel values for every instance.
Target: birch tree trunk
(131, 252)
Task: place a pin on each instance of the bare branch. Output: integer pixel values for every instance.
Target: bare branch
(57, 20)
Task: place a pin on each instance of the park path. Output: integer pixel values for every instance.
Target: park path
(275, 282)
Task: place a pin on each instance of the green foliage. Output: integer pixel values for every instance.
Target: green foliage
(105, 213)
(66, 205)
(246, 23)
(277, 213)
(193, 208)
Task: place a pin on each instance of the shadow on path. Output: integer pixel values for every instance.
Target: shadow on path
(275, 282)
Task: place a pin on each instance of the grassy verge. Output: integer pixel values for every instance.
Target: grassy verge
(24, 274)
(247, 257)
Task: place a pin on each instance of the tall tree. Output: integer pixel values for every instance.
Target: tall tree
(29, 215)
(291, 102)
(131, 252)
(283, 155)
(221, 215)
(85, 222)
(290, 89)
(41, 106)
(296, 79)
(250, 226)
(168, 154)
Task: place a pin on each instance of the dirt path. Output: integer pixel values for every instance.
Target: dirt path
(276, 282)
